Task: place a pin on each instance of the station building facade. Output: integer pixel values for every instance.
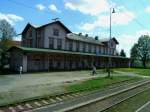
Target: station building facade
(54, 47)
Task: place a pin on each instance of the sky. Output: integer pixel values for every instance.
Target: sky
(131, 20)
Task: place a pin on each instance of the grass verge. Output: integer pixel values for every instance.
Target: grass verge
(97, 83)
(140, 71)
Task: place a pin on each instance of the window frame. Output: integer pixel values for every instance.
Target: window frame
(59, 44)
(51, 43)
(55, 32)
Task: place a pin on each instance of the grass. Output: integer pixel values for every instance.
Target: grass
(97, 83)
(140, 71)
(132, 104)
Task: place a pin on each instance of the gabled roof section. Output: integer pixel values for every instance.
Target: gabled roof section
(107, 39)
(83, 38)
(115, 40)
(27, 27)
(37, 27)
(56, 22)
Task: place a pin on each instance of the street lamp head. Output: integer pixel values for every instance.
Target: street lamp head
(113, 11)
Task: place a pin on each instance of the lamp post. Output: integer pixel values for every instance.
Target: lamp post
(112, 10)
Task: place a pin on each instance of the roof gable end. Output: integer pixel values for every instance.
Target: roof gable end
(27, 27)
(57, 22)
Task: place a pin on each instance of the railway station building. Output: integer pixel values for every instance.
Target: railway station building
(54, 47)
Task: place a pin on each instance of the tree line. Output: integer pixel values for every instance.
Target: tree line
(7, 33)
(140, 52)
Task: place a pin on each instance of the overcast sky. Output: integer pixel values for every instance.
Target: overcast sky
(132, 17)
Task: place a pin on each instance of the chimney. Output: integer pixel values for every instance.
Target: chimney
(80, 34)
(96, 37)
(86, 35)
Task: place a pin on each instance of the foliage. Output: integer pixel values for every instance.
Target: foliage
(139, 71)
(141, 50)
(6, 30)
(7, 33)
(122, 53)
(97, 83)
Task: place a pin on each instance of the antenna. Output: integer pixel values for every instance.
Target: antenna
(55, 19)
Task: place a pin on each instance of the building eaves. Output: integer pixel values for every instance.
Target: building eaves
(44, 50)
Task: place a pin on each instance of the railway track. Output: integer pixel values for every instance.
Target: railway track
(102, 105)
(83, 103)
(64, 101)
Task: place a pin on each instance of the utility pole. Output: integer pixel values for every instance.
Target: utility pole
(109, 44)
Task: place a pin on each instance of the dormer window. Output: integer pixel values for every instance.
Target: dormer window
(55, 32)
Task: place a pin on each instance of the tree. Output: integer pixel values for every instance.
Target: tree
(7, 33)
(141, 50)
(133, 54)
(122, 53)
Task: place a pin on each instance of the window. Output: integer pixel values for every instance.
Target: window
(70, 46)
(84, 47)
(51, 43)
(36, 61)
(90, 48)
(30, 33)
(59, 43)
(99, 50)
(55, 32)
(102, 50)
(39, 32)
(107, 51)
(94, 48)
(51, 64)
(112, 44)
(77, 46)
(38, 42)
(29, 43)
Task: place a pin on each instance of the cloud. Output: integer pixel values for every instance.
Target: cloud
(147, 9)
(88, 6)
(53, 7)
(120, 18)
(40, 7)
(127, 41)
(11, 18)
